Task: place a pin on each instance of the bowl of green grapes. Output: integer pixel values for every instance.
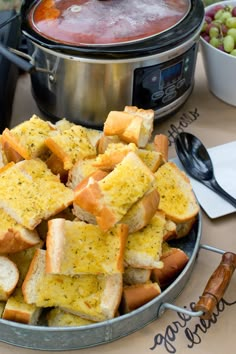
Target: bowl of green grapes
(218, 48)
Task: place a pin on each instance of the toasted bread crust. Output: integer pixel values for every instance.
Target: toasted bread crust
(59, 153)
(28, 285)
(135, 296)
(13, 236)
(131, 125)
(10, 153)
(27, 140)
(109, 302)
(141, 213)
(173, 263)
(12, 241)
(13, 150)
(19, 316)
(55, 246)
(161, 144)
(18, 311)
(87, 194)
(55, 164)
(9, 277)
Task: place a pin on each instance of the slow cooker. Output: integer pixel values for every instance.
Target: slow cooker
(91, 56)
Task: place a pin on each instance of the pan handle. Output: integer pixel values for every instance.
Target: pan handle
(15, 59)
(216, 285)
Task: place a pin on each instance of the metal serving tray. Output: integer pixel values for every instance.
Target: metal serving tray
(69, 338)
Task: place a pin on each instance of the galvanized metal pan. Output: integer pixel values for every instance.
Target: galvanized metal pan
(69, 338)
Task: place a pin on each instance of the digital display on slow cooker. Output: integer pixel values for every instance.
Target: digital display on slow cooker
(170, 75)
(161, 85)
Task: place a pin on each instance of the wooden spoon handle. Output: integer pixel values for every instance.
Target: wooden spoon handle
(216, 285)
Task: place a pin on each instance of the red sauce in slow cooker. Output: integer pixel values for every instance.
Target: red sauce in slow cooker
(93, 22)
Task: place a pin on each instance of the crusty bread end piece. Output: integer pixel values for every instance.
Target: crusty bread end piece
(135, 296)
(147, 116)
(15, 237)
(131, 125)
(55, 164)
(178, 230)
(161, 145)
(174, 260)
(183, 229)
(9, 276)
(87, 194)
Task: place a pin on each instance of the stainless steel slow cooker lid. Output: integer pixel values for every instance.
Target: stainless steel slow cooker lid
(105, 23)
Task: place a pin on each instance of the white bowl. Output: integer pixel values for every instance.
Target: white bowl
(220, 67)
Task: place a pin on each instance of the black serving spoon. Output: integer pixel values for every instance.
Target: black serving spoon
(198, 164)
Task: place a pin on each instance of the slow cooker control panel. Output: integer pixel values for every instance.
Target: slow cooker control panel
(159, 85)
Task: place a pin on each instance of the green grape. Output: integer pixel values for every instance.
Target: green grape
(215, 42)
(220, 28)
(218, 14)
(228, 43)
(214, 32)
(217, 22)
(204, 27)
(229, 8)
(231, 22)
(233, 52)
(232, 32)
(225, 17)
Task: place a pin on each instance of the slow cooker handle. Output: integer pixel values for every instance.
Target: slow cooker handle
(216, 285)
(15, 59)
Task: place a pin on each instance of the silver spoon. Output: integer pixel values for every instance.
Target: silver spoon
(197, 162)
